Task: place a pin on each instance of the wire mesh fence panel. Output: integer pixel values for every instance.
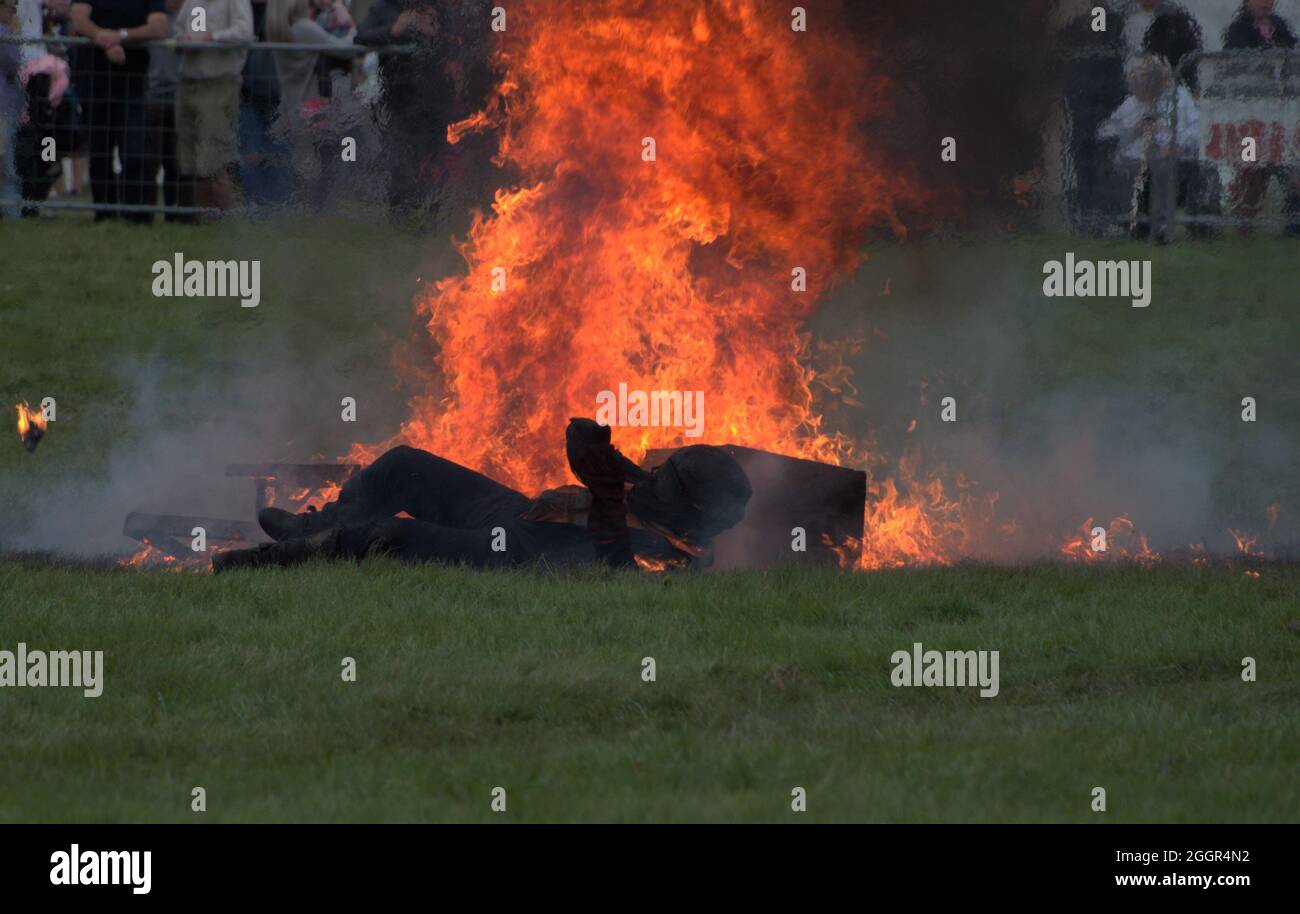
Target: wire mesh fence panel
(201, 123)
(187, 128)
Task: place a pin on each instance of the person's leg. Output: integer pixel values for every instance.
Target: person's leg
(186, 146)
(114, 119)
(98, 106)
(420, 541)
(1140, 227)
(402, 538)
(406, 480)
(1202, 197)
(215, 110)
(228, 121)
(403, 190)
(1290, 179)
(11, 188)
(153, 140)
(167, 155)
(1163, 194)
(1248, 192)
(139, 186)
(427, 487)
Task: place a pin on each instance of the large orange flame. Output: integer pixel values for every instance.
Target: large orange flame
(664, 272)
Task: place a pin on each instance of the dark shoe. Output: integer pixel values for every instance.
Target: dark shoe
(283, 525)
(324, 543)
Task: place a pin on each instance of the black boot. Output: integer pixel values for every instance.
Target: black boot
(283, 525)
(324, 543)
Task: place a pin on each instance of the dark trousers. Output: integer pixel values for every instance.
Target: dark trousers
(115, 119)
(264, 174)
(416, 175)
(160, 152)
(454, 512)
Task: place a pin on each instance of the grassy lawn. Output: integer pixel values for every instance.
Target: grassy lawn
(466, 681)
(1128, 679)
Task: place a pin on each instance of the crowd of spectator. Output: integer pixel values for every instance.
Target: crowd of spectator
(183, 123)
(1136, 134)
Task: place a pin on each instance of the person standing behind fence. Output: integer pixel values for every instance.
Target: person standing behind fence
(207, 99)
(415, 102)
(160, 118)
(1259, 27)
(294, 21)
(263, 166)
(302, 110)
(111, 78)
(10, 105)
(1092, 75)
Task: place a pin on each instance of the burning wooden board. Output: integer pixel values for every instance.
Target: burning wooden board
(294, 483)
(827, 501)
(172, 533)
(168, 536)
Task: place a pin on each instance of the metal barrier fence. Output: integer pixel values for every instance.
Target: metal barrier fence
(320, 123)
(156, 134)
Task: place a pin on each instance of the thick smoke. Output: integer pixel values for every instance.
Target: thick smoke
(1061, 433)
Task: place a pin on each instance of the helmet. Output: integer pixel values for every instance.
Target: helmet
(698, 493)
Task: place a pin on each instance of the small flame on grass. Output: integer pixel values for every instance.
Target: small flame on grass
(31, 425)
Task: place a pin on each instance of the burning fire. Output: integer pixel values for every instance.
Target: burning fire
(668, 268)
(1245, 543)
(31, 425)
(1123, 542)
(675, 168)
(155, 556)
(147, 556)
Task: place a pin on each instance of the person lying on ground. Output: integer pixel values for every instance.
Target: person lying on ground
(623, 515)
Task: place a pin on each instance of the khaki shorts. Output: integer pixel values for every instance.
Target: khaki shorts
(207, 125)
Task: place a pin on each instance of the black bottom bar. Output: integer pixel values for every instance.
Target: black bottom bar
(335, 862)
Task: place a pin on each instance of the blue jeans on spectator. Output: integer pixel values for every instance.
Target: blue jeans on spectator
(264, 172)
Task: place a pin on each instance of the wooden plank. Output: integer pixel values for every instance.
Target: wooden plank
(139, 525)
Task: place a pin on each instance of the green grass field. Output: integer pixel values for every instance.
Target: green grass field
(532, 681)
(1127, 679)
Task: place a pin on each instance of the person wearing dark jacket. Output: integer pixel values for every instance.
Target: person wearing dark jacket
(1092, 75)
(624, 517)
(111, 75)
(264, 171)
(415, 100)
(1258, 27)
(1173, 35)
